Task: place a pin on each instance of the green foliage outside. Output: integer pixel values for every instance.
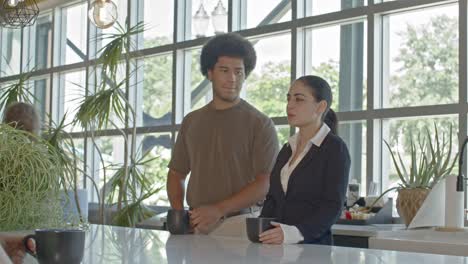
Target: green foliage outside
(428, 74)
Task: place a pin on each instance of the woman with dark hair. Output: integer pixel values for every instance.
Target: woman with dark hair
(308, 181)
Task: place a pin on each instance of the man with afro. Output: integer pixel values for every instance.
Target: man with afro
(227, 146)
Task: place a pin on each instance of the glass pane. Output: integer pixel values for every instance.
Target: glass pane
(72, 92)
(354, 135)
(107, 160)
(341, 60)
(421, 69)
(158, 17)
(208, 17)
(283, 132)
(200, 92)
(41, 91)
(317, 7)
(268, 84)
(155, 88)
(80, 151)
(38, 43)
(158, 146)
(266, 12)
(73, 38)
(10, 43)
(399, 133)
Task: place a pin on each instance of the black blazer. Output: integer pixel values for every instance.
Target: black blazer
(316, 190)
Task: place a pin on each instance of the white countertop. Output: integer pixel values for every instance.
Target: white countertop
(107, 244)
(157, 222)
(427, 240)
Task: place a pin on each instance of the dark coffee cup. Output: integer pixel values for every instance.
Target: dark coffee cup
(178, 222)
(256, 226)
(54, 246)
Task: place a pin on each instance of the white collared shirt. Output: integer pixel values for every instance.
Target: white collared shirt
(292, 235)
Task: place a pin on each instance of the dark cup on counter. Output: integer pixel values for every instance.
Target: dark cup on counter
(178, 222)
(54, 246)
(256, 226)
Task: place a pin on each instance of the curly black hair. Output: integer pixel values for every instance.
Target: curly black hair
(231, 45)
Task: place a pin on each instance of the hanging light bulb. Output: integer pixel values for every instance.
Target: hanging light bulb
(13, 3)
(103, 13)
(219, 20)
(201, 21)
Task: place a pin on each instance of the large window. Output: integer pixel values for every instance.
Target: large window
(158, 17)
(69, 93)
(419, 68)
(338, 54)
(260, 13)
(10, 44)
(72, 37)
(268, 84)
(318, 7)
(38, 43)
(394, 69)
(154, 101)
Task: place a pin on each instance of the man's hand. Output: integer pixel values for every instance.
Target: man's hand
(273, 236)
(13, 245)
(205, 218)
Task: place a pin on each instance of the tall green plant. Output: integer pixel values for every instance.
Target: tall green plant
(16, 92)
(129, 185)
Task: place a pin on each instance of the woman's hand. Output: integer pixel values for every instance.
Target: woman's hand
(273, 236)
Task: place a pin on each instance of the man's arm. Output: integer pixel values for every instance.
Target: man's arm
(176, 189)
(247, 196)
(205, 218)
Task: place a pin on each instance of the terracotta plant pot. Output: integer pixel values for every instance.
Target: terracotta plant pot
(409, 201)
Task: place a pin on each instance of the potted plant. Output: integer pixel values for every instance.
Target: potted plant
(29, 182)
(61, 145)
(126, 185)
(430, 161)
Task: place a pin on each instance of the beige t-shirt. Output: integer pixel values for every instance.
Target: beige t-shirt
(224, 150)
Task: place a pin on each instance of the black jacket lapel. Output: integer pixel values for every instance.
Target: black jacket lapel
(282, 159)
(308, 158)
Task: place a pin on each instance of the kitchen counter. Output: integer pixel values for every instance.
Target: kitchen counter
(427, 240)
(157, 222)
(108, 244)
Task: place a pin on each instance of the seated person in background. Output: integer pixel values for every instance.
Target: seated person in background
(309, 179)
(22, 116)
